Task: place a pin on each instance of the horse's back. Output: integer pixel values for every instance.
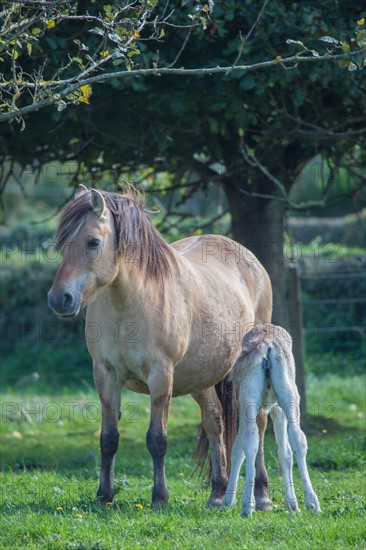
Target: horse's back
(217, 250)
(218, 257)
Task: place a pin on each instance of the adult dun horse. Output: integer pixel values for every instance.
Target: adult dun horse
(165, 315)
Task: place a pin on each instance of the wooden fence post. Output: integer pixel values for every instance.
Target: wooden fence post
(296, 330)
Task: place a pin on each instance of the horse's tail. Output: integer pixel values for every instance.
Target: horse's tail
(228, 400)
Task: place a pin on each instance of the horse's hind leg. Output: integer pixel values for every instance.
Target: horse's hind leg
(212, 421)
(236, 459)
(289, 400)
(160, 387)
(250, 400)
(299, 446)
(262, 501)
(110, 396)
(284, 456)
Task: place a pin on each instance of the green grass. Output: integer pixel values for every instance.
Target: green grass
(50, 465)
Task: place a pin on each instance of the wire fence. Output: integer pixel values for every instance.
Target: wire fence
(334, 308)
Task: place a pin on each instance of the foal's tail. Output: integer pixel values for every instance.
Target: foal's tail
(229, 403)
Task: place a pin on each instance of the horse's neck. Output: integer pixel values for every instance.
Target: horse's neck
(133, 290)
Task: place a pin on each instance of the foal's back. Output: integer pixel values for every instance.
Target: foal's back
(262, 342)
(266, 361)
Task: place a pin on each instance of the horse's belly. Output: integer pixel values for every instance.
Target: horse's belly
(137, 386)
(190, 375)
(192, 381)
(187, 380)
(203, 369)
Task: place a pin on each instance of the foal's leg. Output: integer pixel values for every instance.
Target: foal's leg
(285, 456)
(250, 440)
(288, 398)
(299, 446)
(212, 421)
(236, 460)
(160, 387)
(109, 391)
(262, 501)
(250, 399)
(261, 482)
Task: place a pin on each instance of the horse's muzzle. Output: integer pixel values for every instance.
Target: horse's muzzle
(64, 303)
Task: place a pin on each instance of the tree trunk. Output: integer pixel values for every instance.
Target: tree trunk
(258, 225)
(296, 326)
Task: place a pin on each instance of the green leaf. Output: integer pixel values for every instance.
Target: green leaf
(108, 12)
(345, 46)
(134, 52)
(330, 40)
(79, 61)
(214, 127)
(248, 83)
(96, 30)
(297, 42)
(361, 39)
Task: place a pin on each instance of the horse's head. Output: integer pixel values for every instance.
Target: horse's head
(87, 239)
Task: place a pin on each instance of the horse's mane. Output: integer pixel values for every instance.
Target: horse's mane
(137, 238)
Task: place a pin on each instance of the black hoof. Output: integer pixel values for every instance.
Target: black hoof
(104, 500)
(159, 501)
(214, 502)
(159, 505)
(263, 504)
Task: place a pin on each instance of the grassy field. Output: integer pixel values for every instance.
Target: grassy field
(50, 462)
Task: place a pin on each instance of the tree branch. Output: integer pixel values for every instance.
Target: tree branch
(244, 40)
(283, 196)
(62, 88)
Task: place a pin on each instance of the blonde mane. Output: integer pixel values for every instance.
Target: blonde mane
(137, 239)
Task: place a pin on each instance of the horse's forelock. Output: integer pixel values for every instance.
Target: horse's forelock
(72, 218)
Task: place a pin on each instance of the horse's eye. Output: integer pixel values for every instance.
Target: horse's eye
(93, 244)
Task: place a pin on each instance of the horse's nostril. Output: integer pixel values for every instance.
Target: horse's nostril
(67, 300)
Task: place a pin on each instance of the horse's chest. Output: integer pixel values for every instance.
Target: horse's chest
(119, 346)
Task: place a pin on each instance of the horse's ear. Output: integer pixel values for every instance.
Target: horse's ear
(98, 203)
(80, 191)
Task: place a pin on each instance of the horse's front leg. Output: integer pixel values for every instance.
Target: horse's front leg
(109, 390)
(160, 385)
(213, 424)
